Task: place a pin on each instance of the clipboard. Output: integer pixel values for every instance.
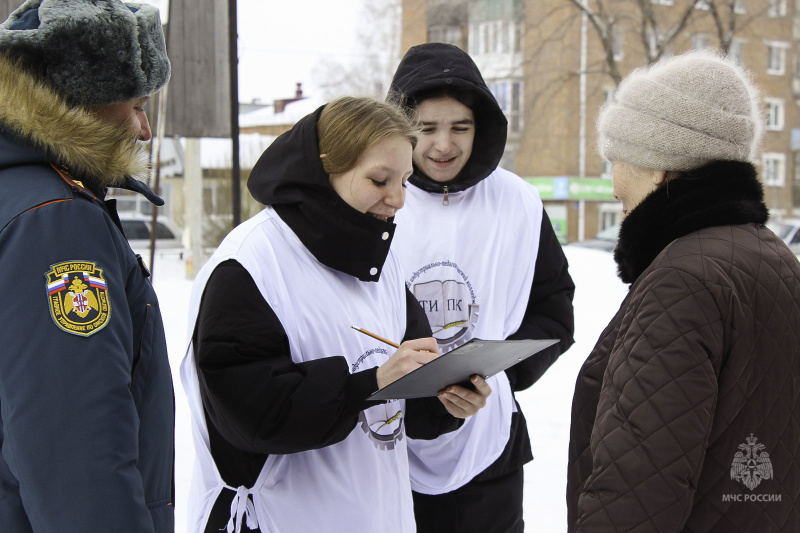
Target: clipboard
(485, 358)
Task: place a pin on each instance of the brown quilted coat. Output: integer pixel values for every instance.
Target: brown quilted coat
(686, 415)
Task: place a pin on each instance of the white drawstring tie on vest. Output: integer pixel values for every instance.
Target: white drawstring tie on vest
(242, 507)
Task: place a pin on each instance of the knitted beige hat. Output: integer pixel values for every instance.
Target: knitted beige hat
(681, 113)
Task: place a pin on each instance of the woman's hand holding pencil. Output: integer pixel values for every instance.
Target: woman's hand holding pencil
(409, 356)
(459, 401)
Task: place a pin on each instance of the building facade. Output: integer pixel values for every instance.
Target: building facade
(552, 68)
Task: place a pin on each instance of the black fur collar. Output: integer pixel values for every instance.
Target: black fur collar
(721, 193)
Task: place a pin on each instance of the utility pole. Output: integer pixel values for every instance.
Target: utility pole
(198, 44)
(233, 51)
(582, 147)
(193, 194)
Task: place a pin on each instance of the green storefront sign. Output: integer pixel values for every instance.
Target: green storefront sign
(567, 188)
(570, 189)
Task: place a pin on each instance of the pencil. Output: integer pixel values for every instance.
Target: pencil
(365, 332)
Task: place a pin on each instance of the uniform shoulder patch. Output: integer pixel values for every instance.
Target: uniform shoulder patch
(77, 295)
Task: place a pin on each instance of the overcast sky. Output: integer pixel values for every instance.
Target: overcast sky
(280, 42)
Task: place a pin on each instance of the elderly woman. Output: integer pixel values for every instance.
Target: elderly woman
(685, 414)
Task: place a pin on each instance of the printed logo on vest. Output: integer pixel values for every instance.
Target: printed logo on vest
(449, 304)
(383, 424)
(381, 353)
(78, 297)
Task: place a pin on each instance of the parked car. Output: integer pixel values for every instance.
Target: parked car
(789, 230)
(137, 231)
(604, 240)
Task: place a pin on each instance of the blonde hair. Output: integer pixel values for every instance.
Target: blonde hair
(348, 126)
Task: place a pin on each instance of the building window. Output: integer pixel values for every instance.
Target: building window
(500, 91)
(776, 58)
(796, 188)
(775, 113)
(608, 170)
(736, 52)
(776, 8)
(509, 94)
(445, 34)
(616, 43)
(516, 36)
(738, 6)
(652, 42)
(210, 198)
(610, 215)
(474, 40)
(493, 38)
(515, 112)
(500, 34)
(129, 202)
(505, 36)
(774, 169)
(699, 42)
(797, 169)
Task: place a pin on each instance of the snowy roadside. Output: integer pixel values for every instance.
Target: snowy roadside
(548, 403)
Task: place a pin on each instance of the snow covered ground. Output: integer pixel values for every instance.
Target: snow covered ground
(546, 405)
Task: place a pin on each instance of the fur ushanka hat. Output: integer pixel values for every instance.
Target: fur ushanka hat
(681, 113)
(89, 51)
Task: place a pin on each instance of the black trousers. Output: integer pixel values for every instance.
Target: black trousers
(490, 506)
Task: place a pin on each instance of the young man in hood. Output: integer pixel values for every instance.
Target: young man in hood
(480, 255)
(86, 399)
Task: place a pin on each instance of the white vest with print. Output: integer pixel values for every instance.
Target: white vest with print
(359, 484)
(470, 265)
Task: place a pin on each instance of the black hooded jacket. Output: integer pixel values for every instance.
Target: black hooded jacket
(438, 66)
(306, 405)
(289, 176)
(427, 70)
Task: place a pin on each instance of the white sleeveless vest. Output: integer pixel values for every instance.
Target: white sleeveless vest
(359, 484)
(470, 264)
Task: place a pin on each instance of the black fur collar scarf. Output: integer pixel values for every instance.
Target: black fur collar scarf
(722, 193)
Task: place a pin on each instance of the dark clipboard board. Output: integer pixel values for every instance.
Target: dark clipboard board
(485, 358)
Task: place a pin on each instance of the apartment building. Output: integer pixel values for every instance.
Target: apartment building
(551, 69)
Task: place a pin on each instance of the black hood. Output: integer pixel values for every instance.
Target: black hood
(289, 177)
(438, 65)
(721, 193)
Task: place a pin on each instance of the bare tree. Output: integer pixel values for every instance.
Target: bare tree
(657, 29)
(371, 70)
(729, 20)
(578, 51)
